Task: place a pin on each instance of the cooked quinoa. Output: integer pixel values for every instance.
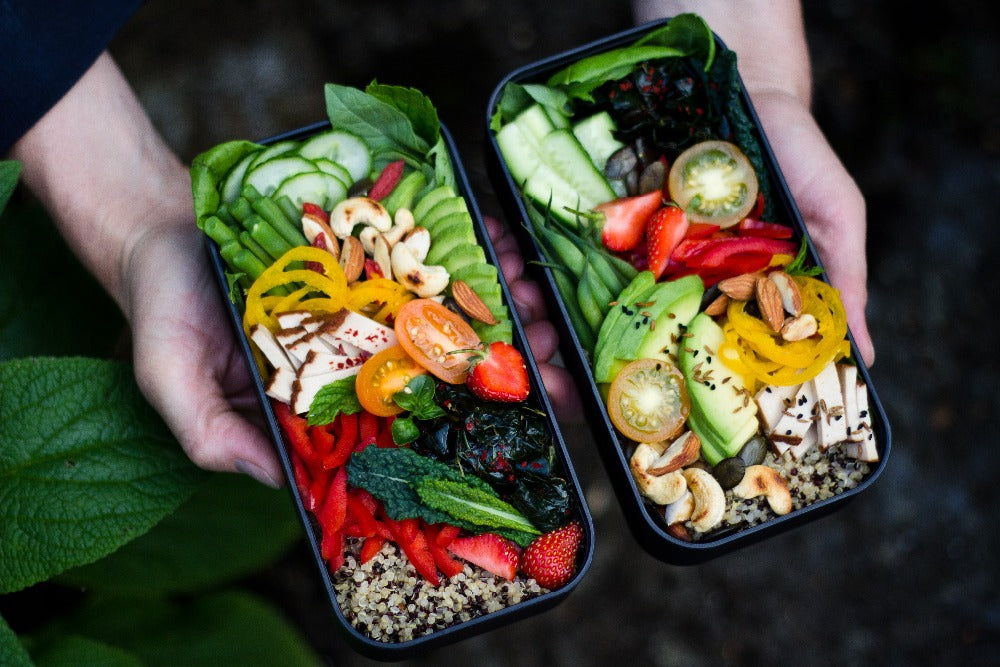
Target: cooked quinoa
(817, 476)
(386, 600)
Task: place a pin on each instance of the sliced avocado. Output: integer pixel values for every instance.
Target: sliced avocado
(489, 333)
(471, 273)
(723, 414)
(444, 208)
(663, 340)
(613, 321)
(448, 238)
(434, 196)
(463, 255)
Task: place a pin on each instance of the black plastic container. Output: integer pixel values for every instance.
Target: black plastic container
(401, 650)
(646, 524)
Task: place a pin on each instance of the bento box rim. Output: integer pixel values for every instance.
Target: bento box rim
(367, 646)
(649, 531)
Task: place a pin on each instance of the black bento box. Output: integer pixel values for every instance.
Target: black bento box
(539, 399)
(646, 524)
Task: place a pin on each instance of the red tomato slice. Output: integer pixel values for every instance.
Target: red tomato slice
(430, 333)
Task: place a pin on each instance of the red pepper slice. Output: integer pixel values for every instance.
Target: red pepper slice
(758, 208)
(772, 230)
(700, 230)
(369, 426)
(446, 534)
(386, 180)
(359, 510)
(370, 548)
(384, 437)
(332, 549)
(320, 486)
(333, 512)
(321, 439)
(415, 549)
(716, 255)
(303, 482)
(296, 430)
(442, 559)
(345, 429)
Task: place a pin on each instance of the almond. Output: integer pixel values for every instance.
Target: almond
(718, 305)
(352, 258)
(470, 303)
(798, 328)
(740, 287)
(313, 228)
(791, 296)
(682, 452)
(769, 303)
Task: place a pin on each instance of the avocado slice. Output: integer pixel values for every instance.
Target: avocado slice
(427, 201)
(723, 414)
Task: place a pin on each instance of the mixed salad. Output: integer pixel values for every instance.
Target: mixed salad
(386, 347)
(723, 359)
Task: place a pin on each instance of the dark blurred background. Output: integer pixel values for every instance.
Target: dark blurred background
(908, 95)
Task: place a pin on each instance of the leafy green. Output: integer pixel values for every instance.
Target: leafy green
(10, 172)
(516, 97)
(388, 131)
(472, 504)
(72, 650)
(418, 398)
(333, 399)
(798, 266)
(213, 538)
(685, 32)
(86, 466)
(207, 171)
(413, 104)
(13, 652)
(393, 475)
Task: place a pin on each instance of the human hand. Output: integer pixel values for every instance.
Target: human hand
(187, 360)
(541, 333)
(829, 200)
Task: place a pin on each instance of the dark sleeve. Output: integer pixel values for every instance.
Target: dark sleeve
(45, 47)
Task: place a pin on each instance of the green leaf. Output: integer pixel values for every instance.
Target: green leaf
(387, 130)
(413, 104)
(10, 172)
(404, 430)
(417, 397)
(228, 628)
(207, 171)
(215, 537)
(86, 466)
(474, 505)
(11, 649)
(46, 294)
(333, 399)
(73, 650)
(798, 265)
(688, 33)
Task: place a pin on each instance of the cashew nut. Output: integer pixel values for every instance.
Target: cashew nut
(349, 213)
(367, 236)
(424, 281)
(709, 499)
(402, 223)
(661, 489)
(418, 240)
(761, 480)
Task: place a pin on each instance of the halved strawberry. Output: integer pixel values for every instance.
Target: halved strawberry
(665, 230)
(625, 219)
(551, 559)
(493, 553)
(498, 374)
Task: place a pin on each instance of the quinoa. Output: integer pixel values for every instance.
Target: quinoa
(386, 600)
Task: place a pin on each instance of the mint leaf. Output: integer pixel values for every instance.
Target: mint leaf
(13, 652)
(10, 171)
(333, 399)
(213, 538)
(86, 466)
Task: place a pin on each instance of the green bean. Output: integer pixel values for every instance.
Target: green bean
(605, 272)
(592, 312)
(247, 262)
(603, 296)
(264, 234)
(241, 209)
(567, 292)
(288, 207)
(248, 242)
(272, 213)
(219, 231)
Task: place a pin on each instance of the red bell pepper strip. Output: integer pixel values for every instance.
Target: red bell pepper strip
(303, 482)
(296, 430)
(720, 250)
(322, 440)
(333, 512)
(370, 548)
(415, 549)
(771, 230)
(320, 485)
(384, 437)
(700, 230)
(386, 180)
(446, 534)
(442, 559)
(368, 428)
(346, 433)
(367, 525)
(332, 549)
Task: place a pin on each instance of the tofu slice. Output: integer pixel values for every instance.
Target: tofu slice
(279, 387)
(772, 401)
(358, 330)
(848, 381)
(291, 319)
(287, 339)
(797, 419)
(863, 449)
(320, 363)
(831, 425)
(304, 390)
(270, 347)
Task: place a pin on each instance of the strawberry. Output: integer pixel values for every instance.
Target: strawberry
(498, 373)
(551, 559)
(665, 230)
(625, 219)
(493, 553)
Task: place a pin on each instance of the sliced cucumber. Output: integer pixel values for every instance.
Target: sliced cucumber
(596, 135)
(267, 176)
(328, 166)
(273, 151)
(233, 183)
(342, 147)
(315, 187)
(443, 209)
(536, 123)
(448, 239)
(562, 152)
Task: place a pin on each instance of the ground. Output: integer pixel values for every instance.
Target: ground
(905, 573)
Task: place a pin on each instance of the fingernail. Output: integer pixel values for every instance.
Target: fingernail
(256, 472)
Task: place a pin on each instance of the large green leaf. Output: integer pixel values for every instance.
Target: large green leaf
(73, 650)
(45, 293)
(10, 171)
(86, 465)
(228, 628)
(231, 527)
(12, 652)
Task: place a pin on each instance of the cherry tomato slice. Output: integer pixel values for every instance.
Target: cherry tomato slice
(648, 401)
(430, 333)
(382, 375)
(714, 182)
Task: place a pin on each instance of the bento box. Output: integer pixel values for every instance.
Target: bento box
(394, 375)
(724, 389)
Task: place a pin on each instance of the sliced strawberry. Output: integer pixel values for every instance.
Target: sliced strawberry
(551, 559)
(625, 219)
(493, 553)
(499, 374)
(665, 230)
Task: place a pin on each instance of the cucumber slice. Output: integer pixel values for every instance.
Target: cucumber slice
(564, 154)
(273, 151)
(535, 123)
(425, 203)
(267, 176)
(342, 147)
(328, 166)
(463, 255)
(316, 187)
(595, 134)
(476, 273)
(233, 183)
